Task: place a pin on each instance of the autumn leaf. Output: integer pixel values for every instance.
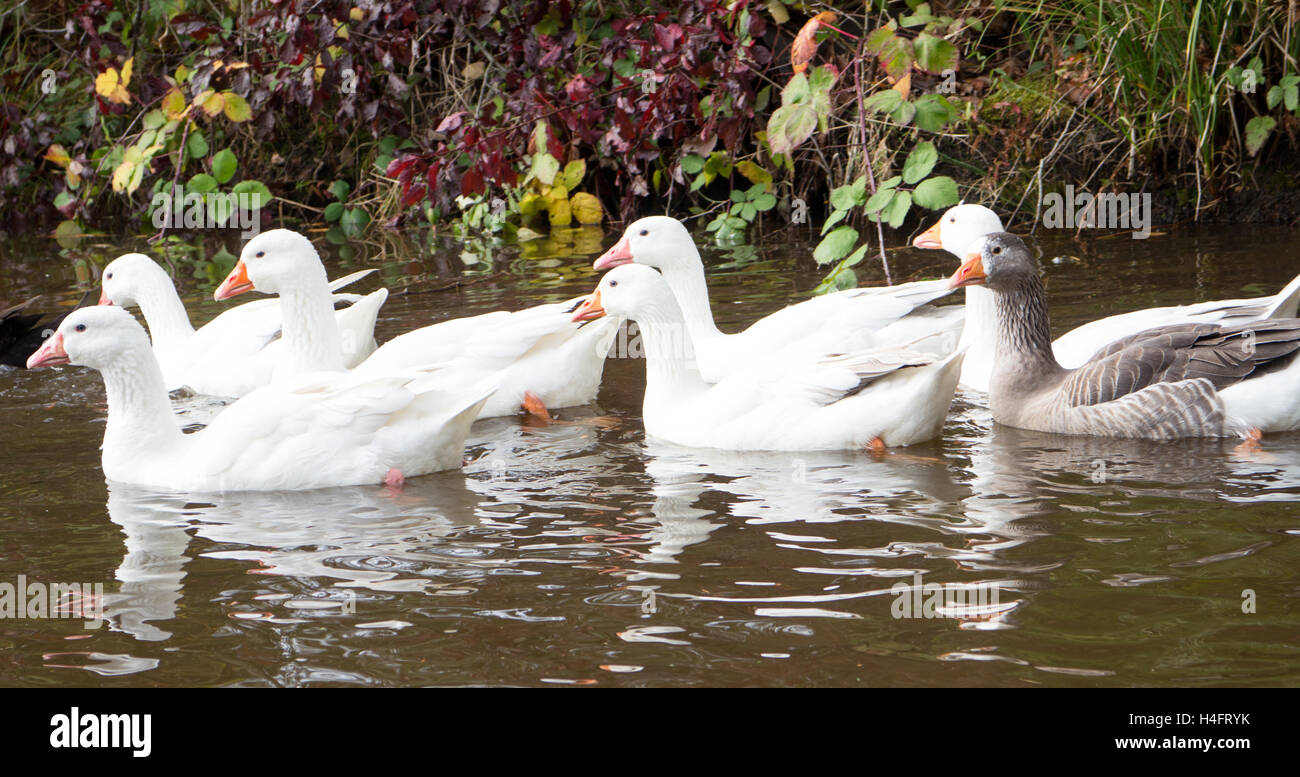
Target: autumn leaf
(586, 208)
(58, 155)
(173, 103)
(236, 108)
(111, 85)
(805, 43)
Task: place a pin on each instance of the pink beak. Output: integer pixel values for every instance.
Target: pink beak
(103, 297)
(50, 353)
(621, 253)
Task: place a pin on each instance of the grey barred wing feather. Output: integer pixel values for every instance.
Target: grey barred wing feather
(1162, 411)
(1222, 355)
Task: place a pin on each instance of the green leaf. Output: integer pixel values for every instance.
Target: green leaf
(789, 126)
(823, 78)
(843, 198)
(154, 119)
(934, 112)
(573, 173)
(257, 189)
(904, 114)
(836, 245)
(936, 193)
(934, 54)
(692, 164)
(1257, 130)
(856, 256)
(920, 162)
(896, 56)
(880, 200)
(897, 209)
(545, 167)
(196, 144)
(202, 183)
(883, 102)
(797, 91)
(340, 190)
(836, 217)
(223, 165)
(1274, 97)
(333, 211)
(354, 220)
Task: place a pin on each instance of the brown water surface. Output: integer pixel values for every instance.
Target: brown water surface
(583, 554)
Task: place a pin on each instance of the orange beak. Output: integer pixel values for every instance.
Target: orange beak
(930, 238)
(971, 273)
(103, 297)
(590, 309)
(236, 282)
(50, 353)
(621, 253)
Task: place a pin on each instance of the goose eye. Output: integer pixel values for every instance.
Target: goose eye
(109, 276)
(645, 232)
(80, 327)
(612, 284)
(260, 254)
(997, 250)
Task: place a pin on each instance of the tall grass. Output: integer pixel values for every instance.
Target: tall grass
(1164, 65)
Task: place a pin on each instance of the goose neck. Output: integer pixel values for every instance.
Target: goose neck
(169, 324)
(692, 293)
(140, 420)
(310, 332)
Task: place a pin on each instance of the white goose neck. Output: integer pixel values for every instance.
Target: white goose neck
(669, 351)
(686, 279)
(140, 420)
(169, 324)
(310, 332)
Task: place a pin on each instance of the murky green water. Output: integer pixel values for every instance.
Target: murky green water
(582, 554)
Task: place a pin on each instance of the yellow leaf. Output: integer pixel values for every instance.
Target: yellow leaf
(58, 155)
(213, 103)
(557, 205)
(341, 31)
(126, 71)
(182, 74)
(106, 82)
(122, 175)
(173, 103)
(474, 71)
(586, 208)
(236, 107)
(356, 14)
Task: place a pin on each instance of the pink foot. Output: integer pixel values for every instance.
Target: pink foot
(395, 478)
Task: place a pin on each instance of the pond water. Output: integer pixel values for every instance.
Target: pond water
(582, 554)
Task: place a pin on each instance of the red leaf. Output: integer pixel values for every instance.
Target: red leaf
(414, 195)
(472, 182)
(399, 165)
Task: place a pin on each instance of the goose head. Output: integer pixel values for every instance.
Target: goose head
(92, 337)
(958, 228)
(130, 276)
(629, 291)
(273, 262)
(656, 241)
(999, 261)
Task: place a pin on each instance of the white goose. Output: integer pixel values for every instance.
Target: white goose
(320, 430)
(886, 396)
(962, 226)
(235, 352)
(539, 357)
(844, 321)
